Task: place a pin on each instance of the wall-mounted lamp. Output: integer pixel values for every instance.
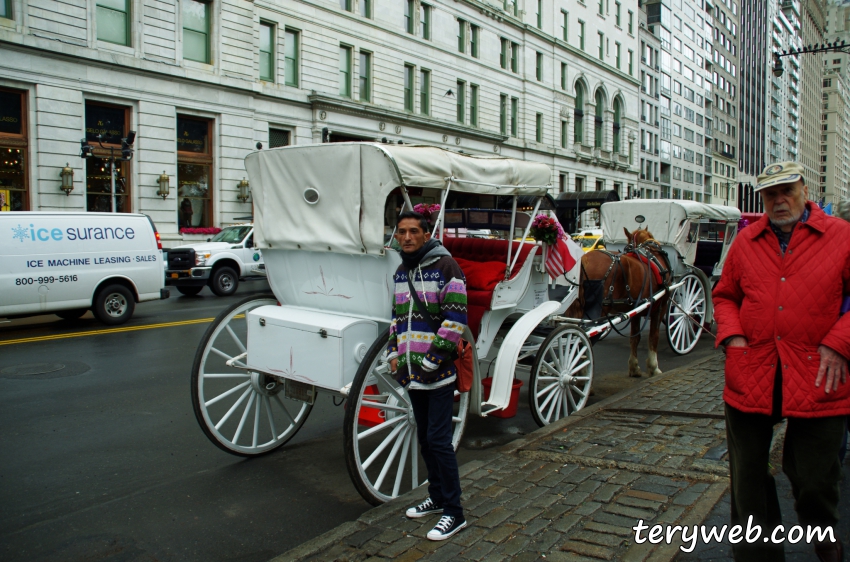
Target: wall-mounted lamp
(243, 190)
(67, 175)
(163, 185)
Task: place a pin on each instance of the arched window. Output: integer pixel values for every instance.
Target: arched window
(578, 115)
(598, 120)
(618, 112)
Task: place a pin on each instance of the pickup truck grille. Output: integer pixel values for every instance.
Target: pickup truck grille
(181, 258)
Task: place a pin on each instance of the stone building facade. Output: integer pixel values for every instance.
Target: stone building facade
(813, 21)
(202, 83)
(753, 81)
(724, 126)
(834, 165)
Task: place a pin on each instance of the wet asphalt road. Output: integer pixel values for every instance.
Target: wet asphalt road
(110, 464)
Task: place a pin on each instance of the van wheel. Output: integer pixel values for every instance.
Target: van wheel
(190, 291)
(224, 281)
(71, 314)
(114, 304)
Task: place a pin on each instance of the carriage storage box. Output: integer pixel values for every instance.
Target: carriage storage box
(67, 263)
(308, 346)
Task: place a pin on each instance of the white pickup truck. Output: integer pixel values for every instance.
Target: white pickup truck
(220, 262)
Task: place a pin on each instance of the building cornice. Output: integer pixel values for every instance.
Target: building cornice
(384, 114)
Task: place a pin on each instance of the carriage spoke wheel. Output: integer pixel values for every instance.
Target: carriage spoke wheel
(685, 318)
(381, 445)
(243, 412)
(561, 376)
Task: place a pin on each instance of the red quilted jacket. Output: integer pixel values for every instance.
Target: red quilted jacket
(786, 306)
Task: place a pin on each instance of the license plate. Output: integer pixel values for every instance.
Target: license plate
(174, 275)
(300, 391)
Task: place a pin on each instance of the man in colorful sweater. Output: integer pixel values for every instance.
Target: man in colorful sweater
(423, 360)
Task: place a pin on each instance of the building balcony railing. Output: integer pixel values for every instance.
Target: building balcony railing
(776, 124)
(794, 126)
(775, 137)
(794, 86)
(774, 109)
(793, 112)
(665, 178)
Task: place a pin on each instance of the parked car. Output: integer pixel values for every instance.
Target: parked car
(220, 262)
(69, 263)
(589, 240)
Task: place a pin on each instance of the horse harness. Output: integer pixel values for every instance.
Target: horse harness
(646, 250)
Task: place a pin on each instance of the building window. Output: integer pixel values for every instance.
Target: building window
(631, 18)
(196, 30)
(266, 52)
(503, 55)
(601, 45)
(598, 121)
(474, 40)
(345, 71)
(617, 14)
(194, 172)
(631, 61)
(461, 36)
(618, 115)
(581, 35)
(460, 95)
(345, 5)
(539, 14)
(6, 9)
(578, 116)
(514, 57)
(617, 55)
(514, 116)
(539, 67)
(366, 8)
(365, 82)
(538, 127)
(408, 87)
(408, 16)
(425, 92)
(601, 7)
(563, 135)
(13, 144)
(279, 137)
(425, 21)
(290, 50)
(112, 124)
(473, 105)
(503, 114)
(563, 76)
(565, 26)
(113, 20)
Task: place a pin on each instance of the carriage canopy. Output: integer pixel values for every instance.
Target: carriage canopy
(669, 220)
(331, 197)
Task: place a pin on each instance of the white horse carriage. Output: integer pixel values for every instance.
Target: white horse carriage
(322, 216)
(696, 238)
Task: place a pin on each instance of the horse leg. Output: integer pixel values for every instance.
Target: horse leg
(634, 365)
(654, 325)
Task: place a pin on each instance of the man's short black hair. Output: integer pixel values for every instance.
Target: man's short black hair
(423, 222)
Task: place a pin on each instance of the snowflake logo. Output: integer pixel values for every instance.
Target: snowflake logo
(20, 233)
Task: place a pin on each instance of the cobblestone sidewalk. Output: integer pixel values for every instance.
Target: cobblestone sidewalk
(572, 490)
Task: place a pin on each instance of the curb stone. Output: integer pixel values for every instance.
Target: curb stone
(361, 532)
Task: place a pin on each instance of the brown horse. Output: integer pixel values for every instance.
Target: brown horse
(622, 281)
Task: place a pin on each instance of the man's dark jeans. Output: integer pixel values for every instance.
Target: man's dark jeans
(809, 459)
(433, 412)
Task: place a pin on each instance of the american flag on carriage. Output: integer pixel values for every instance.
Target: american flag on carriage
(562, 256)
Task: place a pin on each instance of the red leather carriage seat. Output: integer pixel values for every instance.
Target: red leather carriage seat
(481, 281)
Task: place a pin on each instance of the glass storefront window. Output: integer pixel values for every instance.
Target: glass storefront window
(98, 188)
(13, 152)
(194, 173)
(112, 124)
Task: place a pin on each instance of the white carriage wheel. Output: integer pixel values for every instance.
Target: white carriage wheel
(243, 412)
(686, 314)
(561, 376)
(381, 446)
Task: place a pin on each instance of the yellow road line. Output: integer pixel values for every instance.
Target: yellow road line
(112, 330)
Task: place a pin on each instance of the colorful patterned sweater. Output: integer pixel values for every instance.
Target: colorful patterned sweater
(424, 357)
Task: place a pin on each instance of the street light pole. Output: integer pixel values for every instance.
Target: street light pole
(834, 47)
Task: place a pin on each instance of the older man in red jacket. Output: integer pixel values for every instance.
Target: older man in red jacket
(777, 309)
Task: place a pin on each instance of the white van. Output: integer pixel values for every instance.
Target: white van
(68, 263)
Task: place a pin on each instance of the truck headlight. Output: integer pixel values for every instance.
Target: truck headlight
(202, 257)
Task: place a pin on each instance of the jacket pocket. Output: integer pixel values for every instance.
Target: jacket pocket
(738, 360)
(810, 360)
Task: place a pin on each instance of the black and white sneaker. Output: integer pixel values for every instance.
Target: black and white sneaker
(447, 527)
(425, 508)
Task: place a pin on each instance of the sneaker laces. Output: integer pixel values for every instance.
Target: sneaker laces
(426, 505)
(445, 523)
